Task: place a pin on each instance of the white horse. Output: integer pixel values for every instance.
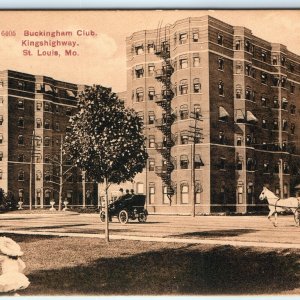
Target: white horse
(277, 205)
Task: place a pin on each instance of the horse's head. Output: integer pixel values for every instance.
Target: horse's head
(263, 195)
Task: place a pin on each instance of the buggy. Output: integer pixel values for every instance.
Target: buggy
(127, 207)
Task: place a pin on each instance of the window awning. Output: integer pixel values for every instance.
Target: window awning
(139, 67)
(196, 80)
(48, 88)
(183, 107)
(138, 45)
(251, 117)
(70, 93)
(198, 159)
(184, 56)
(223, 112)
(151, 113)
(184, 157)
(284, 100)
(183, 82)
(150, 43)
(239, 115)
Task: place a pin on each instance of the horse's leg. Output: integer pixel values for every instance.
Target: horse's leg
(296, 216)
(275, 223)
(272, 211)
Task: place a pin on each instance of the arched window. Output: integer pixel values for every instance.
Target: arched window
(20, 140)
(21, 175)
(38, 175)
(47, 124)
(184, 189)
(184, 113)
(139, 94)
(196, 85)
(38, 123)
(238, 91)
(183, 87)
(221, 88)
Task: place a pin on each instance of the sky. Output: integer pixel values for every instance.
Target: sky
(101, 59)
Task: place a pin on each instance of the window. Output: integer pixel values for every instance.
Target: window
(184, 162)
(292, 88)
(151, 193)
(20, 157)
(292, 128)
(248, 69)
(264, 78)
(38, 141)
(284, 103)
(47, 158)
(221, 137)
(286, 168)
(151, 93)
(47, 176)
(283, 60)
(239, 141)
(47, 141)
(139, 95)
(247, 46)
(151, 117)
(284, 146)
(57, 127)
(1, 120)
(250, 164)
(68, 112)
(21, 122)
(263, 101)
(21, 194)
(183, 63)
(198, 163)
(151, 68)
(283, 81)
(196, 85)
(184, 113)
(275, 102)
(184, 138)
(222, 163)
(239, 162)
(266, 166)
(220, 39)
(151, 141)
(1, 138)
(264, 124)
(47, 124)
(284, 124)
(248, 93)
(68, 129)
(184, 193)
(38, 175)
(196, 60)
(57, 108)
(183, 87)
(20, 140)
(139, 49)
(139, 71)
(238, 45)
(285, 190)
(38, 123)
(249, 140)
(238, 91)
(275, 124)
(47, 106)
(195, 36)
(1, 174)
(165, 195)
(1, 155)
(221, 88)
(38, 158)
(21, 175)
(275, 60)
(238, 67)
(20, 104)
(221, 64)
(151, 47)
(151, 165)
(39, 105)
(264, 56)
(183, 38)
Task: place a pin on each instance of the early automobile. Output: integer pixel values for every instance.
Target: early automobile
(127, 207)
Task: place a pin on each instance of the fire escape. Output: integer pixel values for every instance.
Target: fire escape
(164, 99)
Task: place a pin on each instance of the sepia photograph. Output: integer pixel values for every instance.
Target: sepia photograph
(150, 152)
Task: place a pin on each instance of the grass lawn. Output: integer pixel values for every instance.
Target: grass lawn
(85, 266)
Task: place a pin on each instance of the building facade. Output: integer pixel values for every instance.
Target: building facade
(34, 115)
(221, 114)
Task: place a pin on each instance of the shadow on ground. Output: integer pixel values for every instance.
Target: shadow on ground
(187, 270)
(215, 233)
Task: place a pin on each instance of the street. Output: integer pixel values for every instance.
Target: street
(233, 230)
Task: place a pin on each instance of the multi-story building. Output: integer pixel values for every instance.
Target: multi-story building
(34, 114)
(221, 114)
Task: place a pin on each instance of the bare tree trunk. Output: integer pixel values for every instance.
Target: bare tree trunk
(106, 212)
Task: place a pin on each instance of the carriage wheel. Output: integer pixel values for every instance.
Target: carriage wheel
(102, 216)
(123, 216)
(142, 217)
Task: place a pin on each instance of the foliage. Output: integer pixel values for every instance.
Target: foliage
(106, 139)
(7, 201)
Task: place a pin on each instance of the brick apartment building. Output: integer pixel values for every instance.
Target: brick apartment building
(247, 92)
(34, 114)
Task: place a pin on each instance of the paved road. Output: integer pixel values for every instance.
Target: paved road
(234, 230)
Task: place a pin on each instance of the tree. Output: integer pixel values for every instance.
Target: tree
(106, 140)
